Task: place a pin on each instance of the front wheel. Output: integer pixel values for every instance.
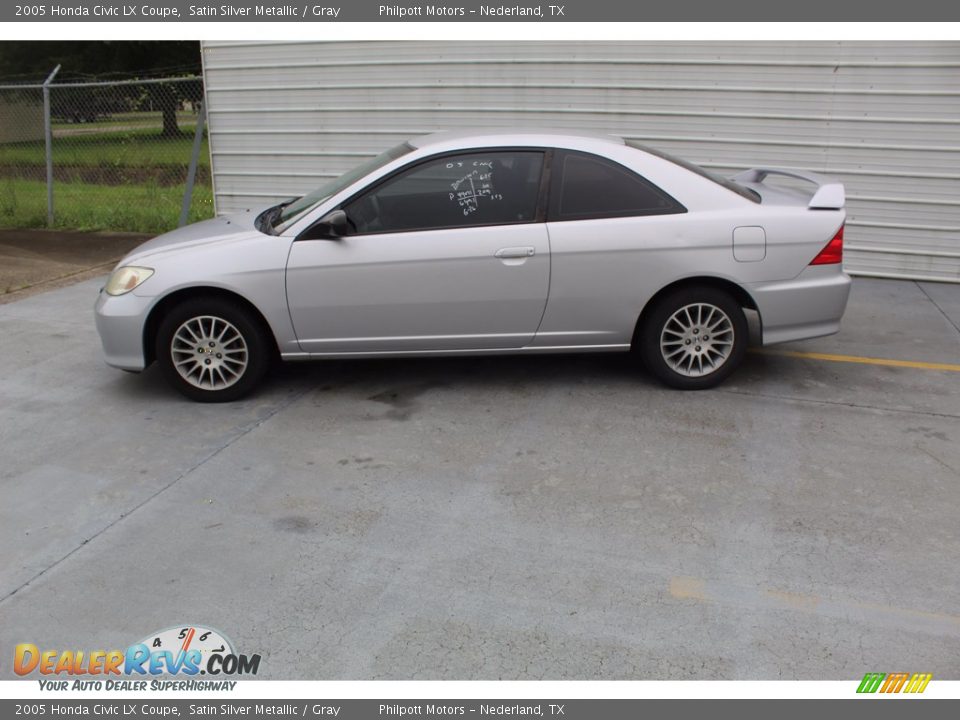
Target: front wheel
(211, 350)
(694, 338)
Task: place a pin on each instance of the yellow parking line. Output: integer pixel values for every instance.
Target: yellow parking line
(861, 360)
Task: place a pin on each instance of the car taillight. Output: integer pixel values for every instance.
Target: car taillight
(832, 253)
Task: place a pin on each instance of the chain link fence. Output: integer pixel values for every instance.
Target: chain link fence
(104, 155)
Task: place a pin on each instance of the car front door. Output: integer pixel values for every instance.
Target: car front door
(450, 253)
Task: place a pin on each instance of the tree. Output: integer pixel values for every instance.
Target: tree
(167, 98)
(81, 60)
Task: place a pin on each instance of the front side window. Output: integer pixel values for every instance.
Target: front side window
(478, 188)
(589, 186)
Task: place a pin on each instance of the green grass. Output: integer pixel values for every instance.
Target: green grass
(109, 179)
(186, 119)
(140, 148)
(83, 206)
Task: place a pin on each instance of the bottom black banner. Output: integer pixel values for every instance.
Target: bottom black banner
(873, 707)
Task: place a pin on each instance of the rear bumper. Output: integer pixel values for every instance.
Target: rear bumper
(120, 322)
(808, 306)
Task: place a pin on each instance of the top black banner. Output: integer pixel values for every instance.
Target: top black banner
(563, 11)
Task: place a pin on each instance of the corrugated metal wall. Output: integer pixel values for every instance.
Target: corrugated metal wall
(883, 117)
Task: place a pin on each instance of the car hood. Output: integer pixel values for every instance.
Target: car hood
(202, 233)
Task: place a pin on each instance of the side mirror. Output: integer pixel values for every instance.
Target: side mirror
(331, 226)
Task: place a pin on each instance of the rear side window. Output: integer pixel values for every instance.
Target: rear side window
(588, 186)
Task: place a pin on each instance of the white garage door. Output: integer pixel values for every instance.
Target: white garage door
(883, 117)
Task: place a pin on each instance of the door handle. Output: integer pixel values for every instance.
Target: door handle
(515, 252)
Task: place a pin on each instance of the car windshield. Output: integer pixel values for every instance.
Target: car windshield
(739, 189)
(286, 214)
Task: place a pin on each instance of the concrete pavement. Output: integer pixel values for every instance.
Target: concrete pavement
(495, 518)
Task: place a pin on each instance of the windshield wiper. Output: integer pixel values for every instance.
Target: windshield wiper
(271, 216)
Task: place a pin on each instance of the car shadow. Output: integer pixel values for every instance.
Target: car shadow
(499, 373)
(495, 373)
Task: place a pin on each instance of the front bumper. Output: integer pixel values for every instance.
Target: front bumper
(808, 306)
(120, 322)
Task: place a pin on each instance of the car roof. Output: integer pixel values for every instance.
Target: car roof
(513, 136)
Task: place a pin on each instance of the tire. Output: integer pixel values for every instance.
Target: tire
(211, 350)
(679, 352)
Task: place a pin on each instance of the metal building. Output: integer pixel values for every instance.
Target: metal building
(882, 116)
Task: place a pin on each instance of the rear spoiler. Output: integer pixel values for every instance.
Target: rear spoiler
(829, 194)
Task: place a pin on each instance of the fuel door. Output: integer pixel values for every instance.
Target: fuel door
(749, 244)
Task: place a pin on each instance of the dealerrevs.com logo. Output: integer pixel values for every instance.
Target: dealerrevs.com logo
(183, 650)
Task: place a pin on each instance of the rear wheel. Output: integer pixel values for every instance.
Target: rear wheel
(694, 338)
(212, 351)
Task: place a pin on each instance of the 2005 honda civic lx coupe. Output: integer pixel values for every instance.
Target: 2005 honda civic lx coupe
(491, 242)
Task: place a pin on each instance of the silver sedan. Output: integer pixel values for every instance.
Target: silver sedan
(507, 242)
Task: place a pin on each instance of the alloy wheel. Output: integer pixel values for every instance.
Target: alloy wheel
(209, 352)
(697, 339)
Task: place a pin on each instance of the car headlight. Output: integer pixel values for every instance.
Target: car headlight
(125, 279)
